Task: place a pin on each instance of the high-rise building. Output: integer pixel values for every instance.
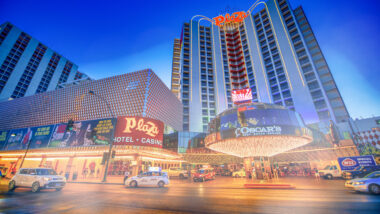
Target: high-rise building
(28, 67)
(270, 49)
(175, 87)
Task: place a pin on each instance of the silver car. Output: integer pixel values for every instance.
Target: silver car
(369, 183)
(37, 179)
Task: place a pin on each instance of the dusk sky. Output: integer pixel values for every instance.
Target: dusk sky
(106, 39)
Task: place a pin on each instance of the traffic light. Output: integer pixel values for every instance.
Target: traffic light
(113, 154)
(70, 125)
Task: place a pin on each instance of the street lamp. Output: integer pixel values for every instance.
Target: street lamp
(111, 143)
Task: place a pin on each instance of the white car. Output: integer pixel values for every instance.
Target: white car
(37, 179)
(177, 172)
(369, 183)
(159, 179)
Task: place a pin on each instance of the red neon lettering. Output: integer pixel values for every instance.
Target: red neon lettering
(234, 18)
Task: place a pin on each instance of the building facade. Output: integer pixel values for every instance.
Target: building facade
(139, 93)
(29, 67)
(272, 51)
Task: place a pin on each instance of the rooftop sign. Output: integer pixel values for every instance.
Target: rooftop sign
(234, 18)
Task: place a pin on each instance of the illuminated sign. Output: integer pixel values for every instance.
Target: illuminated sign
(234, 18)
(241, 95)
(348, 162)
(259, 130)
(139, 131)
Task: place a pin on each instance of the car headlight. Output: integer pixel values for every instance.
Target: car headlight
(359, 183)
(348, 173)
(47, 179)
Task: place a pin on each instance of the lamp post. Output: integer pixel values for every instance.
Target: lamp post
(27, 148)
(111, 143)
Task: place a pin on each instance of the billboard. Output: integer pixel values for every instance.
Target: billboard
(40, 136)
(241, 96)
(3, 138)
(349, 163)
(18, 139)
(248, 121)
(141, 131)
(84, 133)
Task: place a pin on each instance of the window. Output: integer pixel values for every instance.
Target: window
(24, 171)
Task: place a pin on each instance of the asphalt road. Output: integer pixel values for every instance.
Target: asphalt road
(224, 195)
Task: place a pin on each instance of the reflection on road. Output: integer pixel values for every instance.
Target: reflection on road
(223, 195)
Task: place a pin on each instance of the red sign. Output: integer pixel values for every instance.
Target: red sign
(348, 162)
(140, 131)
(234, 18)
(242, 95)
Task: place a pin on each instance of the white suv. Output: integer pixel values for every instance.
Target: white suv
(37, 179)
(177, 172)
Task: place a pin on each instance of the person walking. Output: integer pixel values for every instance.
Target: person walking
(317, 177)
(126, 175)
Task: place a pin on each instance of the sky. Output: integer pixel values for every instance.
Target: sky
(107, 38)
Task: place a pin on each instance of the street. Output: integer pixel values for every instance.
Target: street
(223, 195)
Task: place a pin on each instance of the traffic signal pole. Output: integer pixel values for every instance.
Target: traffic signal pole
(111, 143)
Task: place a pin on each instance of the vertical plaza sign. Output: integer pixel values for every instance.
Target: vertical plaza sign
(234, 18)
(140, 131)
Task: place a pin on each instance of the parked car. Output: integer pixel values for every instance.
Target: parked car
(330, 172)
(369, 183)
(360, 172)
(239, 174)
(204, 175)
(177, 172)
(226, 172)
(37, 179)
(159, 179)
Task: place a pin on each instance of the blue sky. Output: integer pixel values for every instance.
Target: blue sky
(106, 39)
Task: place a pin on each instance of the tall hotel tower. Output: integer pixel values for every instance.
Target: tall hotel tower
(28, 67)
(272, 50)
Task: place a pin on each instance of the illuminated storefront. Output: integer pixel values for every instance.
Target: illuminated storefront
(133, 111)
(257, 130)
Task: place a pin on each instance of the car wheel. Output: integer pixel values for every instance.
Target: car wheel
(181, 176)
(329, 177)
(133, 184)
(36, 187)
(161, 184)
(374, 189)
(12, 186)
(58, 189)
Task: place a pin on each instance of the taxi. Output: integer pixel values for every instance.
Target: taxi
(151, 178)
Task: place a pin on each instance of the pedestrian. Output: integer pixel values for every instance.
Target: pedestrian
(126, 175)
(317, 177)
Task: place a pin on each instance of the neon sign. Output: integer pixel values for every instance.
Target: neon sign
(234, 18)
(241, 95)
